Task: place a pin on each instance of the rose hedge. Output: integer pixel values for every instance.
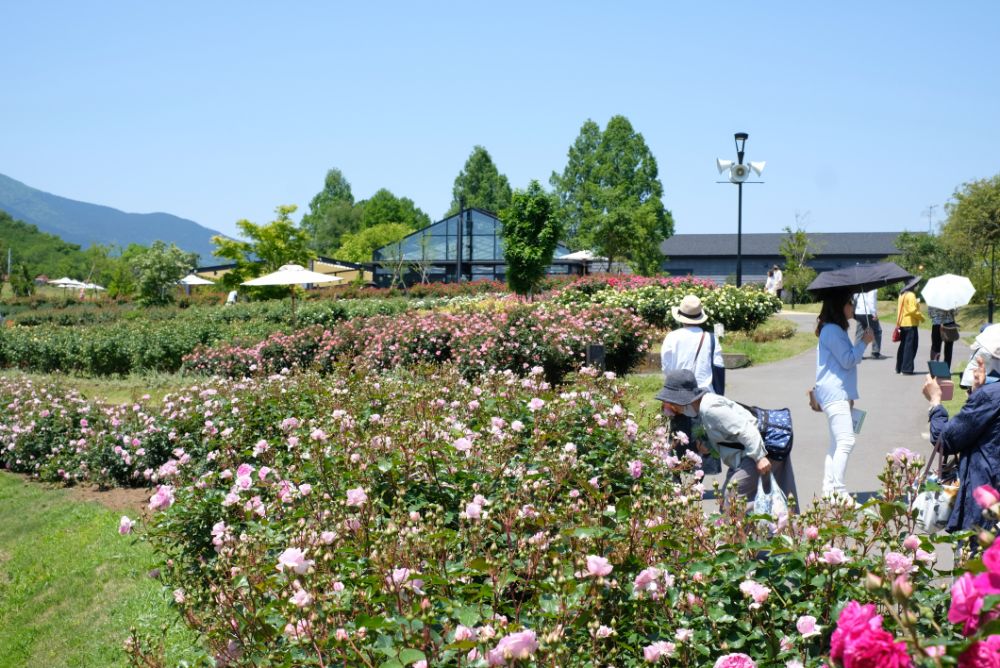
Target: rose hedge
(359, 519)
(738, 309)
(510, 336)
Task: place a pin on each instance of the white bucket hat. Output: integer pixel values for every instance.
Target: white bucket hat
(690, 311)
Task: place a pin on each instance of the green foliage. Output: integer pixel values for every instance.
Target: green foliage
(359, 246)
(972, 232)
(157, 271)
(797, 250)
(530, 234)
(21, 282)
(384, 208)
(41, 253)
(611, 198)
(332, 214)
(480, 184)
(278, 243)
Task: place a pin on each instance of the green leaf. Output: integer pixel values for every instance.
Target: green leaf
(408, 656)
(990, 602)
(468, 616)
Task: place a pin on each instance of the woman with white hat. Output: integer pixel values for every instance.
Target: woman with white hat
(693, 348)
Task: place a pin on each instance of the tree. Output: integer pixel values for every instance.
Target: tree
(796, 249)
(610, 195)
(530, 233)
(480, 184)
(577, 189)
(972, 231)
(20, 281)
(384, 207)
(278, 243)
(158, 269)
(359, 246)
(331, 213)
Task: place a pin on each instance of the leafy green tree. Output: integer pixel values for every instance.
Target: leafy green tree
(797, 250)
(46, 253)
(359, 246)
(332, 213)
(384, 207)
(269, 247)
(611, 197)
(530, 233)
(158, 269)
(21, 281)
(972, 232)
(122, 282)
(577, 188)
(480, 184)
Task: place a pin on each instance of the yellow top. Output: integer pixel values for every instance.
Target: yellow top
(908, 311)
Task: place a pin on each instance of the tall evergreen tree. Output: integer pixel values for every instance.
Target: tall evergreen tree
(611, 198)
(480, 184)
(530, 232)
(332, 213)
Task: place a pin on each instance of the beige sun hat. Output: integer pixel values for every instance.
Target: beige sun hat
(690, 311)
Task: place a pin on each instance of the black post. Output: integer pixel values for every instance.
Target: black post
(458, 257)
(739, 238)
(596, 355)
(993, 279)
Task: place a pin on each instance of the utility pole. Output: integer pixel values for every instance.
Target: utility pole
(930, 218)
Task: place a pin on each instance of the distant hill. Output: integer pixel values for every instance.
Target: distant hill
(85, 224)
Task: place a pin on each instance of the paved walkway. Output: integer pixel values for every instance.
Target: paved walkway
(897, 411)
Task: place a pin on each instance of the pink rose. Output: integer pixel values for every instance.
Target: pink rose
(834, 556)
(991, 558)
(735, 661)
(876, 648)
(911, 543)
(806, 625)
(658, 650)
(465, 633)
(163, 498)
(854, 620)
(597, 566)
(898, 564)
(966, 602)
(294, 559)
(986, 496)
(812, 533)
(520, 645)
(982, 654)
(646, 580)
(125, 525)
(356, 497)
(635, 468)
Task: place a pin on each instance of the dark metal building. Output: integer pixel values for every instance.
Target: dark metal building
(714, 255)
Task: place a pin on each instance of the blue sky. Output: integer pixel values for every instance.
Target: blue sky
(866, 113)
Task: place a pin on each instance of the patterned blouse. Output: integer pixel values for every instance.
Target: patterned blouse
(940, 316)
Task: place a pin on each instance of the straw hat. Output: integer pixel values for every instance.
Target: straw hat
(690, 312)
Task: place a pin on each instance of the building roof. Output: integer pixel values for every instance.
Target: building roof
(880, 244)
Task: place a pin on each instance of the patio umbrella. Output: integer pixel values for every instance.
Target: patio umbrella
(859, 278)
(948, 291)
(291, 274)
(195, 279)
(92, 286)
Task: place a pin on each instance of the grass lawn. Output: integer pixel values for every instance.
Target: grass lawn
(120, 390)
(70, 586)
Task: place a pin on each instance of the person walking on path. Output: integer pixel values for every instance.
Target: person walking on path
(769, 283)
(690, 347)
(908, 316)
(940, 317)
(837, 360)
(974, 435)
(866, 313)
(779, 281)
(732, 429)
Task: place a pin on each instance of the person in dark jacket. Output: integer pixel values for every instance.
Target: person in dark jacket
(974, 435)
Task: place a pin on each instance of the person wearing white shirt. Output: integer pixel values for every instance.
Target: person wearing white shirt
(690, 347)
(779, 281)
(866, 314)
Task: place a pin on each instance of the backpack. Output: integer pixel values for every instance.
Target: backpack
(775, 425)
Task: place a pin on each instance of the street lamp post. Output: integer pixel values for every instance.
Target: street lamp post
(738, 174)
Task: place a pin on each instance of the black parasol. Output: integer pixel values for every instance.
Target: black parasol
(859, 278)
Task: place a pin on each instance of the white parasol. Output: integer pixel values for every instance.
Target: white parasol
(292, 274)
(195, 279)
(948, 292)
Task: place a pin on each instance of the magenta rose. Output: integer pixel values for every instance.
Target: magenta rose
(854, 620)
(967, 600)
(981, 654)
(991, 558)
(986, 496)
(876, 648)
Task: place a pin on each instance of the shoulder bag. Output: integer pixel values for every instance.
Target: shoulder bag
(896, 334)
(950, 332)
(718, 372)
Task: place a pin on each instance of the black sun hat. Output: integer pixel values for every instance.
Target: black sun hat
(681, 388)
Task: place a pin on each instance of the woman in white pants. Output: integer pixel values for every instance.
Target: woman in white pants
(837, 360)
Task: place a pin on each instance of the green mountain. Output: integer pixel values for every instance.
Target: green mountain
(85, 224)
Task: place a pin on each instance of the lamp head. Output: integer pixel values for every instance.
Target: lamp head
(741, 142)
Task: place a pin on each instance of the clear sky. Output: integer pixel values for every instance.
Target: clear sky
(866, 112)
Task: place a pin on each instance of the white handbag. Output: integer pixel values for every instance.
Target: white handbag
(934, 506)
(773, 503)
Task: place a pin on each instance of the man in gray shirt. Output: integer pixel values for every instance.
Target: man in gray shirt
(866, 313)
